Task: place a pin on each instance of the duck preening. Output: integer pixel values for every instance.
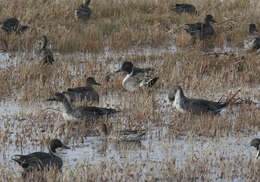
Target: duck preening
(13, 25)
(42, 160)
(195, 106)
(83, 12)
(87, 93)
(136, 77)
(201, 31)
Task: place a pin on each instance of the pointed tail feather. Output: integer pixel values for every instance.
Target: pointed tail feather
(152, 82)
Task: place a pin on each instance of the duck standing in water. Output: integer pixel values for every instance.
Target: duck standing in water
(202, 31)
(87, 93)
(136, 77)
(45, 53)
(41, 160)
(13, 25)
(195, 106)
(185, 8)
(81, 113)
(83, 12)
(252, 41)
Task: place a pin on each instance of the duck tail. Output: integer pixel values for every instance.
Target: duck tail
(152, 81)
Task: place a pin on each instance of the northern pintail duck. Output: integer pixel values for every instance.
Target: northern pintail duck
(123, 135)
(136, 77)
(83, 12)
(81, 113)
(256, 143)
(41, 160)
(87, 93)
(195, 106)
(45, 53)
(184, 8)
(252, 41)
(13, 25)
(201, 31)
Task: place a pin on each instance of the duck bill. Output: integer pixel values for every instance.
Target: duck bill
(96, 83)
(119, 70)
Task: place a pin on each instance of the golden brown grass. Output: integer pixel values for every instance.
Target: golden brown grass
(120, 25)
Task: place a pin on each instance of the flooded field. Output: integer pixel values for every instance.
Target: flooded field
(175, 144)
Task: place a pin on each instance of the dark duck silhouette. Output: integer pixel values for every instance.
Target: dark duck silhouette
(13, 25)
(87, 93)
(184, 8)
(195, 106)
(83, 12)
(41, 160)
(202, 31)
(45, 53)
(252, 41)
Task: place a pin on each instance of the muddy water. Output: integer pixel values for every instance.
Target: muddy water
(156, 146)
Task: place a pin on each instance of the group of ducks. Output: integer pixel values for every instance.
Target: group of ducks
(136, 78)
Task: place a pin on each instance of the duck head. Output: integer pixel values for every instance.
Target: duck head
(92, 81)
(56, 143)
(127, 66)
(172, 92)
(210, 18)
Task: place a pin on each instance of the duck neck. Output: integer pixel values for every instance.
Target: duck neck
(45, 42)
(52, 151)
(179, 96)
(67, 105)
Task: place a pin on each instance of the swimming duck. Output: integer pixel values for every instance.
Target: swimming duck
(87, 93)
(184, 8)
(202, 31)
(41, 160)
(83, 12)
(45, 53)
(195, 106)
(252, 41)
(123, 135)
(256, 143)
(13, 25)
(136, 77)
(81, 113)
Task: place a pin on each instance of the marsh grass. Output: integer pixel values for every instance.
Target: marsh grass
(120, 25)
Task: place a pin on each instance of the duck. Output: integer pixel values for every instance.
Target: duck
(256, 143)
(13, 25)
(45, 53)
(123, 135)
(83, 12)
(202, 31)
(81, 113)
(184, 8)
(39, 161)
(252, 41)
(184, 104)
(136, 77)
(87, 93)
